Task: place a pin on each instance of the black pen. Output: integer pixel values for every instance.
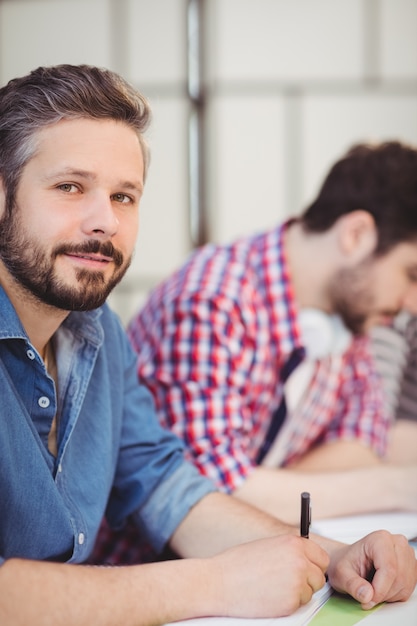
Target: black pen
(305, 519)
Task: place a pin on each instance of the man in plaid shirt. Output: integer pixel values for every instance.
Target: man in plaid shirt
(213, 339)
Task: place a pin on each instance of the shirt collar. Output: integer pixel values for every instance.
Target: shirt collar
(281, 304)
(82, 322)
(10, 325)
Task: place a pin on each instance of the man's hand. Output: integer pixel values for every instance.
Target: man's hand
(268, 577)
(381, 567)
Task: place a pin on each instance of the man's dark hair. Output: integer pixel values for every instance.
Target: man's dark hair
(380, 179)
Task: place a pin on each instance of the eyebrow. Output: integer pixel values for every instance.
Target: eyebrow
(87, 175)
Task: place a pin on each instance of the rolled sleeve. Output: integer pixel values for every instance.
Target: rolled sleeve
(170, 502)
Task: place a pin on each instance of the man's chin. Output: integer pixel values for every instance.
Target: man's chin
(86, 292)
(76, 299)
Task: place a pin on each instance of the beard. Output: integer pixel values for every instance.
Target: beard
(34, 269)
(351, 297)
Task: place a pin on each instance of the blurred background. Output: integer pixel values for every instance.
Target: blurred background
(252, 101)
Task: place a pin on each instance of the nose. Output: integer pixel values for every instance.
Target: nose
(410, 299)
(100, 218)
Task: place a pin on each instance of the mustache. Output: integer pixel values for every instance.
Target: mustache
(106, 248)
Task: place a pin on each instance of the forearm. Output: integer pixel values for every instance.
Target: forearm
(235, 522)
(277, 574)
(238, 523)
(364, 490)
(402, 447)
(39, 594)
(337, 456)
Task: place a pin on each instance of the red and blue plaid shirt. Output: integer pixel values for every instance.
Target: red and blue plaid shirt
(211, 342)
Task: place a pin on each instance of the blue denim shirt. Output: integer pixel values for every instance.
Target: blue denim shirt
(113, 456)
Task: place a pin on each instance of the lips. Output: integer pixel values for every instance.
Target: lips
(93, 257)
(93, 250)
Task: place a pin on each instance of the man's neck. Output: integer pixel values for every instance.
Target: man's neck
(311, 258)
(39, 320)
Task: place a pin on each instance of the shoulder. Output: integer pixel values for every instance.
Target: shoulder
(212, 274)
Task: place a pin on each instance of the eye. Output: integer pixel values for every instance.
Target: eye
(122, 198)
(68, 187)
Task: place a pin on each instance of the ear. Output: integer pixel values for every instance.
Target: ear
(357, 235)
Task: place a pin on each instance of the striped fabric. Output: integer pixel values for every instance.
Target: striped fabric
(395, 352)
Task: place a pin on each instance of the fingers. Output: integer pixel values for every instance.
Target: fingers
(316, 554)
(278, 574)
(379, 568)
(309, 575)
(364, 594)
(315, 581)
(311, 561)
(395, 578)
(318, 564)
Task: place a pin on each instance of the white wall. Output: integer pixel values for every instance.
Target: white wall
(290, 85)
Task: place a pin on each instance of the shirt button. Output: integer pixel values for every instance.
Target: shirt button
(81, 539)
(44, 402)
(30, 354)
(59, 468)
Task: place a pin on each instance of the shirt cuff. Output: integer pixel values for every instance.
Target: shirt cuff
(170, 502)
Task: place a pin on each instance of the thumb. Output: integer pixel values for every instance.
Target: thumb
(364, 594)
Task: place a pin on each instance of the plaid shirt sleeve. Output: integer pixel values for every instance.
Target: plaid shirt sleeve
(362, 411)
(196, 354)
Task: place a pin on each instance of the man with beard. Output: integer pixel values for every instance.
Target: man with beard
(215, 342)
(79, 434)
